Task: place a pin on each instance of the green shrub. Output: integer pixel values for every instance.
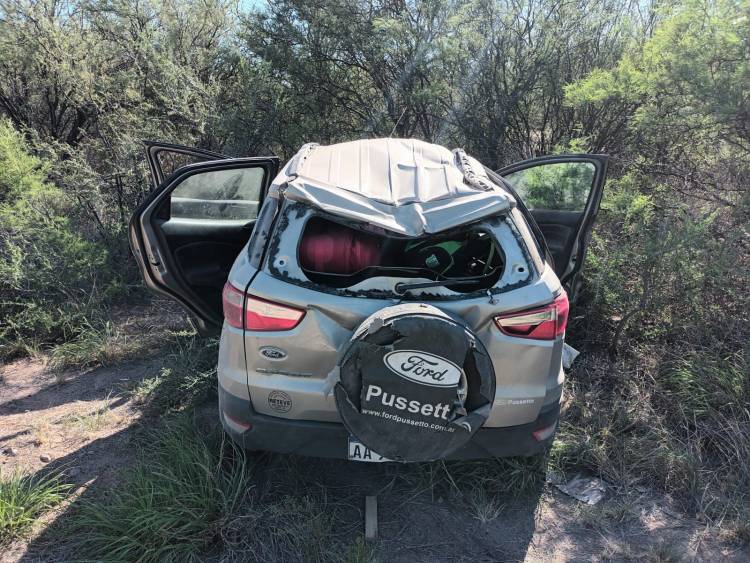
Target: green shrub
(667, 272)
(51, 276)
(656, 269)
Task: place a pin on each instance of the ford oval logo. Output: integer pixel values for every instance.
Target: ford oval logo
(272, 353)
(423, 368)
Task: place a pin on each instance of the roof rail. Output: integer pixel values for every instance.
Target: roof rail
(470, 176)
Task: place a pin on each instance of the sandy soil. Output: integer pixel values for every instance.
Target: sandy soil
(84, 423)
(46, 417)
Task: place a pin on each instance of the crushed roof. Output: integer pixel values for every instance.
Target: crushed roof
(405, 185)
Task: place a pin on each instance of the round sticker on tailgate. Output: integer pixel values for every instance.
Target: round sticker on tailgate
(279, 401)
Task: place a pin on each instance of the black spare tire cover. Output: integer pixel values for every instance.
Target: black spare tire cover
(415, 385)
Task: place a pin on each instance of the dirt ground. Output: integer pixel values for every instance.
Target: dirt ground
(85, 423)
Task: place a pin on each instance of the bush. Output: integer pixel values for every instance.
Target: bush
(663, 396)
(659, 268)
(667, 275)
(51, 278)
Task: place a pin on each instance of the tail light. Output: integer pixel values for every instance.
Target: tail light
(257, 314)
(543, 323)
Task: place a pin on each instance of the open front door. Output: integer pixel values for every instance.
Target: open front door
(187, 233)
(563, 194)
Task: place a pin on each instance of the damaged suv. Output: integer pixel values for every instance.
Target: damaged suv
(383, 299)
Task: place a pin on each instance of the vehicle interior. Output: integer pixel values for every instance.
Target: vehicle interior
(193, 226)
(340, 255)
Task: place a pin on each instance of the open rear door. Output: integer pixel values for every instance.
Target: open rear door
(563, 194)
(188, 231)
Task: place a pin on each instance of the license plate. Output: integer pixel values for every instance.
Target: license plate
(359, 452)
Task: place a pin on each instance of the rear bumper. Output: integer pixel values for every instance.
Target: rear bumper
(330, 439)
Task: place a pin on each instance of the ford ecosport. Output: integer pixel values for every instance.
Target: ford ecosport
(382, 299)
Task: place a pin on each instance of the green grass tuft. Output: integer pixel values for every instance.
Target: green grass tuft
(175, 503)
(698, 384)
(187, 376)
(93, 345)
(23, 498)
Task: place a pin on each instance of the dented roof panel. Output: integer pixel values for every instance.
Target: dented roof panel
(403, 185)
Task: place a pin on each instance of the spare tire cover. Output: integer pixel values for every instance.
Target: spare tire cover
(415, 385)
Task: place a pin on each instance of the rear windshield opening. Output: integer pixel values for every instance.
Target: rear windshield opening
(339, 255)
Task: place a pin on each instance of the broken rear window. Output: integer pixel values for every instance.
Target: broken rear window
(330, 254)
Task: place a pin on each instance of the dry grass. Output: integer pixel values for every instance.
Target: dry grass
(483, 506)
(94, 345)
(41, 432)
(93, 421)
(678, 426)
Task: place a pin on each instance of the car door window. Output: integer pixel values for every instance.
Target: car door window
(219, 195)
(562, 193)
(562, 186)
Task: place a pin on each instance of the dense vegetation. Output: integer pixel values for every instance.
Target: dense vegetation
(662, 397)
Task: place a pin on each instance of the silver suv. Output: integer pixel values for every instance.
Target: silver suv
(383, 299)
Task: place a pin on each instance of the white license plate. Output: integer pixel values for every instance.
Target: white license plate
(359, 452)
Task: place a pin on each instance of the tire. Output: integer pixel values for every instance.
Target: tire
(414, 383)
